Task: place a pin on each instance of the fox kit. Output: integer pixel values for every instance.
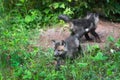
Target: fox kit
(89, 24)
(68, 48)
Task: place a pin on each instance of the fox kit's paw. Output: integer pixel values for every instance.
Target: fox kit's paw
(89, 39)
(98, 40)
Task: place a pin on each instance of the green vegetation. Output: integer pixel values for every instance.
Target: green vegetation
(20, 21)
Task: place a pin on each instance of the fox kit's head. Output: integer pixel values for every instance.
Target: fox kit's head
(96, 18)
(60, 48)
(93, 16)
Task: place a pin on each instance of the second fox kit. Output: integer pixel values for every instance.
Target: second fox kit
(89, 23)
(68, 48)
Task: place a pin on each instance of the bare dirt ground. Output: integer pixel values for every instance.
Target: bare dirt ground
(104, 29)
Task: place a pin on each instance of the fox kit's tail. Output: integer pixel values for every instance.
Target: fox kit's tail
(65, 18)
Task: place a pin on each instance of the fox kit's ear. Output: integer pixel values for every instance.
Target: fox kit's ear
(96, 18)
(88, 15)
(63, 43)
(53, 42)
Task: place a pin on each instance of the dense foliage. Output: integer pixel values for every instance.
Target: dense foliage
(46, 11)
(20, 20)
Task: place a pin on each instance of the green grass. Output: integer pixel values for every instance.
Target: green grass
(21, 60)
(38, 64)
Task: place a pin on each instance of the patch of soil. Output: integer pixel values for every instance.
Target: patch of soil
(104, 29)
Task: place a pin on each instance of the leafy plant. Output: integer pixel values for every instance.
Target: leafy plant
(111, 39)
(1, 77)
(99, 56)
(82, 64)
(21, 59)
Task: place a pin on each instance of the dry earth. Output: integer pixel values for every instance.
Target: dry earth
(104, 29)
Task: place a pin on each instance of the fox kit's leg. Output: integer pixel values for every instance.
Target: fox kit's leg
(57, 67)
(95, 35)
(87, 37)
(80, 50)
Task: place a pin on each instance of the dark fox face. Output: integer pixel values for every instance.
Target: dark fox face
(59, 48)
(93, 16)
(96, 18)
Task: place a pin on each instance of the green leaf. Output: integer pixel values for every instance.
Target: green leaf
(109, 72)
(28, 75)
(68, 11)
(96, 46)
(1, 77)
(42, 74)
(117, 44)
(28, 19)
(22, 1)
(99, 56)
(19, 4)
(108, 1)
(110, 38)
(82, 64)
(62, 5)
(56, 5)
(69, 0)
(46, 11)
